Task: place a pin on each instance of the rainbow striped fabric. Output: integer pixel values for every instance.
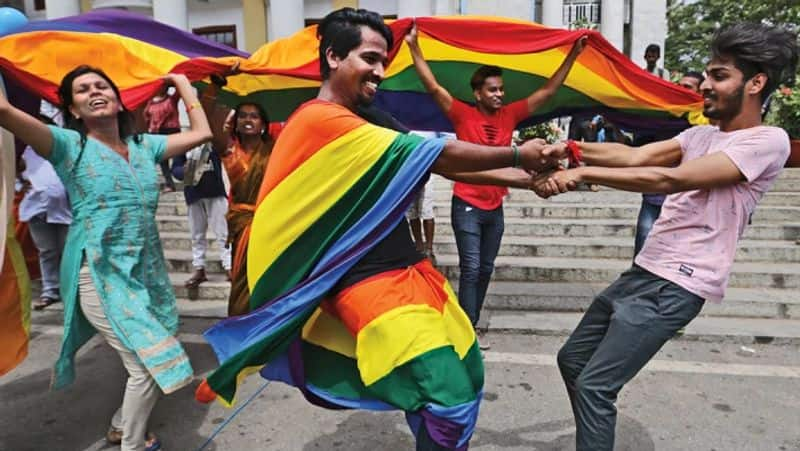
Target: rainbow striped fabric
(327, 198)
(15, 302)
(135, 51)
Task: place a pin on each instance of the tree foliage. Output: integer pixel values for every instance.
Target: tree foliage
(690, 25)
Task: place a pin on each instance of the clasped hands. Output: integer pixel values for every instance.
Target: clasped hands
(549, 177)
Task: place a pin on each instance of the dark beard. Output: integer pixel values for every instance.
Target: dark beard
(733, 106)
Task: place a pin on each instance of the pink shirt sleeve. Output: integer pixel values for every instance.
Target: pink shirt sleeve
(762, 152)
(686, 137)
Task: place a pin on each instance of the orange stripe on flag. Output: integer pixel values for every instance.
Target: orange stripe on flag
(368, 299)
(304, 135)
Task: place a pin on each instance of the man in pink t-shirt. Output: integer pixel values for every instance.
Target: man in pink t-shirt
(477, 209)
(719, 175)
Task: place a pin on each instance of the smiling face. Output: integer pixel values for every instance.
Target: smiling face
(722, 90)
(93, 98)
(356, 76)
(491, 94)
(249, 121)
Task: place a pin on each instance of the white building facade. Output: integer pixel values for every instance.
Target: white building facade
(630, 25)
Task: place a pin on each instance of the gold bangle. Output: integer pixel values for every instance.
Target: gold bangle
(193, 105)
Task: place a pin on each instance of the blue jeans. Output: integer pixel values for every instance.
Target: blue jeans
(478, 234)
(622, 330)
(648, 214)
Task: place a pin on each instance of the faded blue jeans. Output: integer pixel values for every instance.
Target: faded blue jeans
(624, 327)
(648, 214)
(478, 233)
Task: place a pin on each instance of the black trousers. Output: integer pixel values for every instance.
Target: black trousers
(622, 330)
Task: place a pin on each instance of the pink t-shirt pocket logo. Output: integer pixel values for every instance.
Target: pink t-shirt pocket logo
(686, 270)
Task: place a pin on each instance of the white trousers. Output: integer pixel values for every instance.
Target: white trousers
(422, 206)
(141, 390)
(205, 213)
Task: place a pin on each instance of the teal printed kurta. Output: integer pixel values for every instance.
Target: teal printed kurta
(113, 205)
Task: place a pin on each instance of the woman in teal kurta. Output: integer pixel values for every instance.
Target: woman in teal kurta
(109, 172)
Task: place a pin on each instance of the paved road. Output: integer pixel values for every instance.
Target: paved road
(693, 396)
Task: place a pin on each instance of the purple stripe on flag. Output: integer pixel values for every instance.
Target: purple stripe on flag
(138, 27)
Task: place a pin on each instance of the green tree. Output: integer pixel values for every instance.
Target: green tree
(690, 25)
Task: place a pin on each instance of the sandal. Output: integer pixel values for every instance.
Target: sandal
(44, 302)
(197, 278)
(114, 437)
(152, 443)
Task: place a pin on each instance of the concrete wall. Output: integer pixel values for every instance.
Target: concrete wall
(517, 9)
(648, 26)
(317, 9)
(218, 12)
(382, 7)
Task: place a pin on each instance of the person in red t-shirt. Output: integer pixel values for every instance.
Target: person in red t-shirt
(477, 210)
(161, 116)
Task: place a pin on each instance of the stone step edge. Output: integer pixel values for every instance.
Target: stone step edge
(554, 262)
(527, 240)
(767, 296)
(702, 328)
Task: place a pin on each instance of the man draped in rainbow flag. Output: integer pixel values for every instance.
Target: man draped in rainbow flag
(345, 308)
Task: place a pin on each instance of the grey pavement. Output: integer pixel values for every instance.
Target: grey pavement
(694, 395)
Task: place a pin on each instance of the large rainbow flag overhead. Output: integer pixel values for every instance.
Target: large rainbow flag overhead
(135, 51)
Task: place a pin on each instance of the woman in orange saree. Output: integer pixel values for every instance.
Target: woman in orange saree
(243, 141)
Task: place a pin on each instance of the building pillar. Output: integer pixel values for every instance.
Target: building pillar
(254, 19)
(339, 4)
(414, 8)
(444, 7)
(286, 17)
(56, 9)
(171, 12)
(553, 13)
(648, 26)
(612, 21)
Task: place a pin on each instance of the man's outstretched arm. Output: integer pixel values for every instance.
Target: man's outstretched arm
(707, 172)
(439, 94)
(546, 92)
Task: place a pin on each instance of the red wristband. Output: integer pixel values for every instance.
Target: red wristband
(575, 155)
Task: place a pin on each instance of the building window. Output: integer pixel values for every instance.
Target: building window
(222, 34)
(38, 5)
(581, 11)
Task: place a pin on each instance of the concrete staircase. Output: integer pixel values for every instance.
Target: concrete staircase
(558, 253)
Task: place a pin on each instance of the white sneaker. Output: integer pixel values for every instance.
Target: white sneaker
(483, 343)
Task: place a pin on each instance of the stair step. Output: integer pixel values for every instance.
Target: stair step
(603, 270)
(764, 213)
(553, 297)
(576, 297)
(613, 247)
(559, 269)
(572, 247)
(785, 198)
(559, 227)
